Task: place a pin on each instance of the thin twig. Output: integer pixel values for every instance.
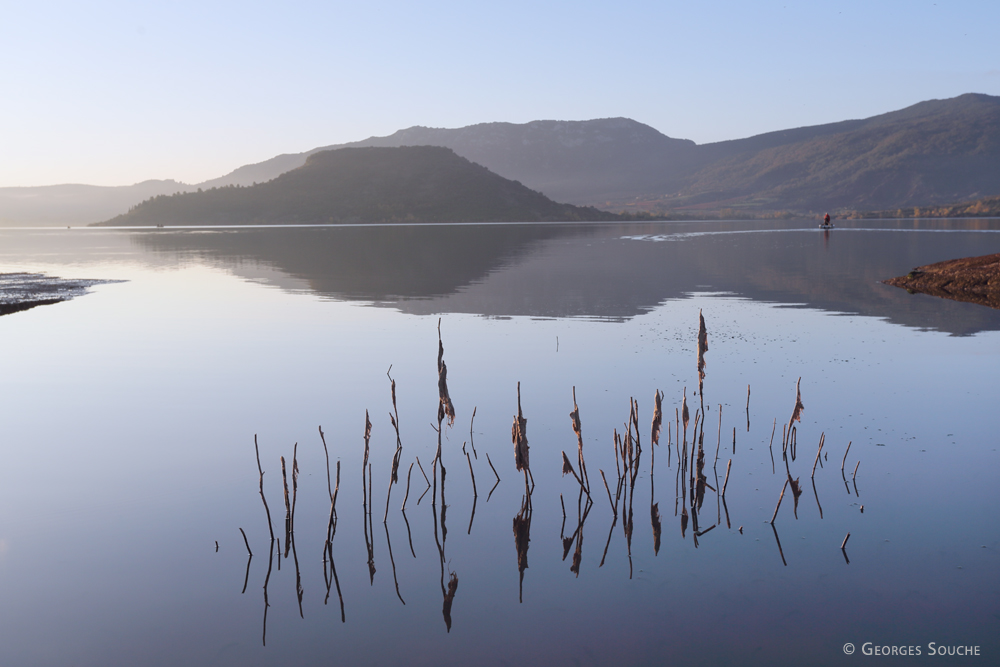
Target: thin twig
(725, 483)
(422, 472)
(407, 494)
(779, 502)
(261, 470)
(844, 544)
(819, 450)
(475, 494)
(608, 489)
(491, 466)
(845, 457)
(245, 541)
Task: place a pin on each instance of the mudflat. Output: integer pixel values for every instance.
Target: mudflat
(972, 279)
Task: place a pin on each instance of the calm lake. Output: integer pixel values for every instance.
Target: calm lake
(129, 416)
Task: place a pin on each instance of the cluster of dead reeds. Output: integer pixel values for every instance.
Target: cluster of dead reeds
(685, 440)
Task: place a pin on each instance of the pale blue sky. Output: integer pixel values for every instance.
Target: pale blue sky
(113, 93)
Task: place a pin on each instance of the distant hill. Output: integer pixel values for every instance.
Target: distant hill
(577, 161)
(76, 204)
(931, 153)
(364, 185)
(926, 155)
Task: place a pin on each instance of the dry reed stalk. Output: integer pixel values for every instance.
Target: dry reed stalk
(327, 452)
(635, 421)
(578, 430)
(394, 475)
(288, 512)
(445, 407)
(771, 443)
(654, 435)
(522, 539)
(702, 348)
(845, 457)
(608, 489)
(392, 562)
(331, 526)
(615, 440)
(780, 551)
(491, 467)
(686, 416)
(748, 408)
(718, 444)
(288, 504)
(519, 436)
(816, 494)
(725, 483)
(568, 468)
(471, 441)
(855, 474)
(796, 413)
(819, 450)
(677, 430)
(843, 545)
(245, 541)
(267, 510)
(295, 480)
(423, 473)
(407, 494)
(775, 515)
(449, 598)
(654, 515)
(475, 494)
(734, 441)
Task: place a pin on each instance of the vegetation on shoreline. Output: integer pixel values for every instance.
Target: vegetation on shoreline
(988, 207)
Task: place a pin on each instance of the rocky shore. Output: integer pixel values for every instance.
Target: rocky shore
(972, 279)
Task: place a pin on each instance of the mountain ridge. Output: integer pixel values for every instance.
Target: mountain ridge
(933, 153)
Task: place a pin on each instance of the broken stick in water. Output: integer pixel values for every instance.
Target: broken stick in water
(270, 527)
(245, 541)
(475, 494)
(819, 450)
(775, 516)
(608, 489)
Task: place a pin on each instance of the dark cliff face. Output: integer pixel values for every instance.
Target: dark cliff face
(365, 185)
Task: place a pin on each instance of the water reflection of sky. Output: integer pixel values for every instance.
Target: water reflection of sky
(128, 451)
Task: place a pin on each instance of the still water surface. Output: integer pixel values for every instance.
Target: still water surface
(129, 417)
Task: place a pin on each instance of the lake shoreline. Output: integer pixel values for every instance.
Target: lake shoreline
(970, 279)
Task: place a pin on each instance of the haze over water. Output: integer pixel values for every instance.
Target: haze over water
(130, 415)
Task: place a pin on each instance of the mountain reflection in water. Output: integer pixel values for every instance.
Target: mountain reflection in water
(609, 271)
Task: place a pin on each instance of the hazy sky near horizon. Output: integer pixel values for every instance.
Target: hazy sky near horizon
(113, 93)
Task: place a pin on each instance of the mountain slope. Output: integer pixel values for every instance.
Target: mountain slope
(566, 160)
(931, 153)
(364, 185)
(75, 204)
